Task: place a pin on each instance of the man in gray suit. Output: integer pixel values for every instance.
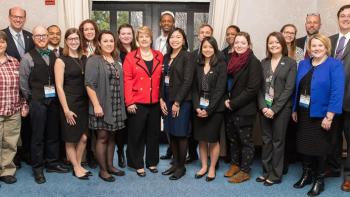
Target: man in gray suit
(341, 50)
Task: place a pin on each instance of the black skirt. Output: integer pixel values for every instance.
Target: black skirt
(208, 129)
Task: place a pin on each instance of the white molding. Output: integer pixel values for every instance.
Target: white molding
(163, 1)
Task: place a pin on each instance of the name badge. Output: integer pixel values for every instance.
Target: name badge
(304, 101)
(166, 80)
(268, 100)
(203, 103)
(49, 91)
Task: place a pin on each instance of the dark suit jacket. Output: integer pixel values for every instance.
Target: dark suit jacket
(11, 45)
(181, 76)
(246, 85)
(283, 80)
(346, 63)
(300, 42)
(217, 86)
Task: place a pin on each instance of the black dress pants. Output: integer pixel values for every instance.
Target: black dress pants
(143, 130)
(45, 142)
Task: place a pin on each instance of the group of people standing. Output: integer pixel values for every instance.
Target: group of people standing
(116, 90)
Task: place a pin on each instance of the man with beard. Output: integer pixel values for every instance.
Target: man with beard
(55, 39)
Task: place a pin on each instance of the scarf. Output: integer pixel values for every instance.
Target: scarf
(238, 61)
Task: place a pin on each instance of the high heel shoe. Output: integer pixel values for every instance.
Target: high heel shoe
(153, 170)
(84, 177)
(141, 174)
(169, 171)
(198, 176)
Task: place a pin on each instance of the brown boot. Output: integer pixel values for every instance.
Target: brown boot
(234, 169)
(239, 177)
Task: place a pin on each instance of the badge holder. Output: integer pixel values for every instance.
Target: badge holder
(204, 101)
(304, 101)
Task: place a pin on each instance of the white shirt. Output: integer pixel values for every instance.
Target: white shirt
(51, 48)
(347, 38)
(14, 36)
(160, 44)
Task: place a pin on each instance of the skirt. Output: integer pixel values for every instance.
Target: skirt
(208, 129)
(178, 126)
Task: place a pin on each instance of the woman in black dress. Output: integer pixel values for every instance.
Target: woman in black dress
(107, 115)
(208, 101)
(69, 78)
(126, 42)
(176, 99)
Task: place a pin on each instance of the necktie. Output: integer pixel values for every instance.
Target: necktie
(340, 48)
(56, 52)
(21, 48)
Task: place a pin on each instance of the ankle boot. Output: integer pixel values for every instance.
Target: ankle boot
(121, 159)
(318, 186)
(306, 179)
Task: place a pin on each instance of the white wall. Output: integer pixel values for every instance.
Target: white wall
(37, 12)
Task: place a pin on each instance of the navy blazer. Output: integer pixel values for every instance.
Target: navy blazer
(327, 87)
(11, 45)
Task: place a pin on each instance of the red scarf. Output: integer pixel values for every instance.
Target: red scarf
(238, 61)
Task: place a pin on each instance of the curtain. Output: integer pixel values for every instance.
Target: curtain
(222, 13)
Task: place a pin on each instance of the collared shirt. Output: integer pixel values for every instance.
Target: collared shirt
(27, 64)
(347, 38)
(160, 44)
(52, 48)
(14, 36)
(10, 100)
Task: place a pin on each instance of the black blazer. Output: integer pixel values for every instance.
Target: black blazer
(300, 42)
(217, 86)
(11, 45)
(346, 63)
(283, 80)
(246, 85)
(181, 76)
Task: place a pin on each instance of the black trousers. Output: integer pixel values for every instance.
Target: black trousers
(334, 157)
(239, 132)
(143, 130)
(273, 138)
(45, 142)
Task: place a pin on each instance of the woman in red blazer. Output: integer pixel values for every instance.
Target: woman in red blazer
(142, 75)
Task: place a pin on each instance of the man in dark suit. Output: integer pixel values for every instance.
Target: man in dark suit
(20, 42)
(312, 26)
(55, 39)
(341, 51)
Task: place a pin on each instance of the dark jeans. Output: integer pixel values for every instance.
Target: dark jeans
(143, 130)
(45, 142)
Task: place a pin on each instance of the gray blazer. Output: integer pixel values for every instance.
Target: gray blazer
(346, 63)
(97, 78)
(283, 80)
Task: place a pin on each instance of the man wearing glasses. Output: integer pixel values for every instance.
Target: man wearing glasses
(312, 26)
(38, 88)
(20, 42)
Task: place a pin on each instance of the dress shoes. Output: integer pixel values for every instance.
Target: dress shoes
(57, 168)
(345, 186)
(260, 179)
(208, 178)
(178, 174)
(153, 170)
(84, 177)
(89, 173)
(141, 174)
(306, 179)
(117, 173)
(9, 179)
(270, 183)
(169, 171)
(107, 179)
(317, 187)
(198, 176)
(39, 177)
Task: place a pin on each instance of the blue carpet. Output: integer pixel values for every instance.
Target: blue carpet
(159, 185)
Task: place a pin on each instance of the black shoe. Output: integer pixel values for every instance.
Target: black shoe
(141, 174)
(208, 179)
(107, 179)
(121, 159)
(306, 179)
(198, 176)
(169, 171)
(84, 177)
(9, 179)
(39, 177)
(191, 159)
(57, 168)
(89, 173)
(317, 187)
(178, 174)
(165, 157)
(260, 179)
(270, 183)
(153, 170)
(117, 173)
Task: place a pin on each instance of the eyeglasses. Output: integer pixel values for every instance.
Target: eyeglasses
(73, 39)
(18, 17)
(313, 14)
(288, 33)
(40, 36)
